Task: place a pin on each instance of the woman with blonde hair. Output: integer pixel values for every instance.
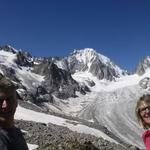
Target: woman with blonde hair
(143, 117)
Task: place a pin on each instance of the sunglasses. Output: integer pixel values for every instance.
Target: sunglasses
(143, 110)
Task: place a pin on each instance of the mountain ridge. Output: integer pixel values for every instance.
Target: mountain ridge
(69, 86)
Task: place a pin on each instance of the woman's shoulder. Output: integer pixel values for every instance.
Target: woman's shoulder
(146, 133)
(146, 139)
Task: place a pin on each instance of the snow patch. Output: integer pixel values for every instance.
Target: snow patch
(30, 115)
(32, 146)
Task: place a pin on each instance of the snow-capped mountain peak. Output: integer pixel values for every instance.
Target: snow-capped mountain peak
(86, 52)
(143, 65)
(8, 48)
(87, 55)
(90, 61)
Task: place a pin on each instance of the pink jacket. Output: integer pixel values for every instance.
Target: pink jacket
(146, 139)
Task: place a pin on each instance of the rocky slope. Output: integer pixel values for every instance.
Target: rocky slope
(53, 137)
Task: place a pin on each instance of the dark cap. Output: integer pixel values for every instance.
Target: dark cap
(6, 83)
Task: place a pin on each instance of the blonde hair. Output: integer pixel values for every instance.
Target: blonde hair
(145, 98)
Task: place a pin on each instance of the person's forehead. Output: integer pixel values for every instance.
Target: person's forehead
(144, 104)
(7, 92)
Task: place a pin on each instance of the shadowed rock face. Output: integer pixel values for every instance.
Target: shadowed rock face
(10, 72)
(24, 59)
(58, 81)
(143, 66)
(8, 48)
(56, 78)
(102, 71)
(74, 65)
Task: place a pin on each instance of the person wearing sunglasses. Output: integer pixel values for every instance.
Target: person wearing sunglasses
(143, 117)
(11, 137)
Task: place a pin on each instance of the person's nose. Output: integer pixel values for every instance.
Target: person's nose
(147, 110)
(4, 104)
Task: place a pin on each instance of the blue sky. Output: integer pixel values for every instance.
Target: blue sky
(118, 29)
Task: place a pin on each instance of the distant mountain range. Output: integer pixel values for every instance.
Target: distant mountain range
(57, 71)
(84, 84)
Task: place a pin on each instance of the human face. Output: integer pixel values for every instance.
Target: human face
(8, 104)
(144, 110)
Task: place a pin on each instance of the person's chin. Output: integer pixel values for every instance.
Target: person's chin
(6, 121)
(147, 121)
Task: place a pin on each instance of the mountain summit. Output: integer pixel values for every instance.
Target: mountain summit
(88, 60)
